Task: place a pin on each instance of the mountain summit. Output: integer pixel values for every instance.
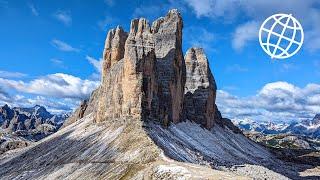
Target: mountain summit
(153, 117)
(145, 76)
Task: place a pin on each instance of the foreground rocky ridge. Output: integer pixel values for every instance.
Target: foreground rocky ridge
(87, 150)
(141, 124)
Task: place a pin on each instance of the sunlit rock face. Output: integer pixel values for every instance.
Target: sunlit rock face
(145, 79)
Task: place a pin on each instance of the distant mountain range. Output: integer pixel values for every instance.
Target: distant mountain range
(310, 128)
(31, 123)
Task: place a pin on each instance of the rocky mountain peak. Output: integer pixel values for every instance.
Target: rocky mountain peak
(6, 112)
(27, 120)
(316, 119)
(113, 49)
(200, 89)
(5, 106)
(198, 71)
(39, 108)
(151, 80)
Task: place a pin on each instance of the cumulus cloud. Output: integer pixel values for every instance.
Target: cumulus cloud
(57, 85)
(213, 8)
(64, 17)
(63, 46)
(53, 105)
(245, 33)
(277, 101)
(4, 95)
(8, 74)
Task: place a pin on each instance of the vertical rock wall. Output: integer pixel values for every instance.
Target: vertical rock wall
(145, 75)
(200, 89)
(170, 65)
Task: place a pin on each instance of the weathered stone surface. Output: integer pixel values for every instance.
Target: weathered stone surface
(148, 78)
(139, 84)
(86, 107)
(200, 89)
(149, 81)
(110, 101)
(130, 83)
(224, 122)
(113, 49)
(170, 65)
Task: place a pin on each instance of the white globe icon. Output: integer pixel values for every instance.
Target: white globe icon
(281, 36)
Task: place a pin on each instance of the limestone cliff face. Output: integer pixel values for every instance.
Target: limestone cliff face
(170, 65)
(113, 49)
(148, 82)
(200, 89)
(146, 77)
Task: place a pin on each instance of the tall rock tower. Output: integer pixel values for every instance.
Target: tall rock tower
(200, 89)
(146, 77)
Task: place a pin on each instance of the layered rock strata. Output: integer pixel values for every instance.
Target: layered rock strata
(148, 82)
(146, 77)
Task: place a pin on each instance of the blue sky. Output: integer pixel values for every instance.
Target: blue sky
(47, 45)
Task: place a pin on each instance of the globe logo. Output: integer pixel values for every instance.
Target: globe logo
(281, 36)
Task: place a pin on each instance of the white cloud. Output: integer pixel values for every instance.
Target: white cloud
(278, 101)
(245, 33)
(4, 96)
(57, 85)
(57, 92)
(63, 46)
(96, 63)
(33, 9)
(213, 8)
(53, 105)
(305, 11)
(64, 17)
(8, 74)
(201, 8)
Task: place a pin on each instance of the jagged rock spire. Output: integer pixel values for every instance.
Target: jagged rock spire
(148, 78)
(113, 49)
(149, 81)
(200, 89)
